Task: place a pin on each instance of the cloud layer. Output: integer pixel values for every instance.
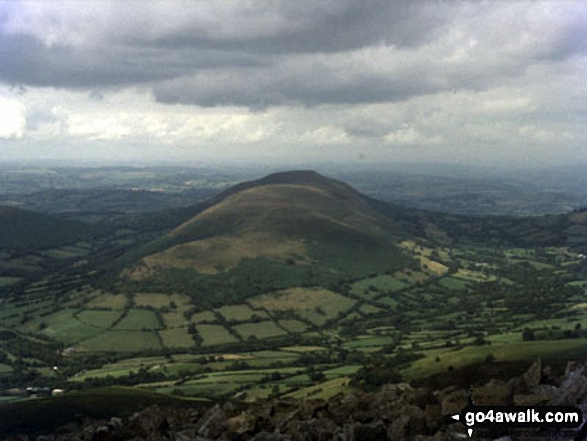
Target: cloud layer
(517, 67)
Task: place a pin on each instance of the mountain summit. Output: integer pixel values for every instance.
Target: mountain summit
(297, 217)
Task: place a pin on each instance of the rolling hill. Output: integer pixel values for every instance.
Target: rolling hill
(302, 217)
(24, 229)
(298, 222)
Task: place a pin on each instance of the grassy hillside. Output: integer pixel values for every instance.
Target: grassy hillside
(298, 228)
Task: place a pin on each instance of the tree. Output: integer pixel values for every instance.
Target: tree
(528, 335)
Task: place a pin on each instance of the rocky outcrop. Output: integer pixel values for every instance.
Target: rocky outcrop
(397, 412)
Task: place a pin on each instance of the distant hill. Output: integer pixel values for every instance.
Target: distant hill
(306, 224)
(302, 215)
(300, 228)
(23, 229)
(292, 216)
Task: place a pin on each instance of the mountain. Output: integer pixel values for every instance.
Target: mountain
(24, 229)
(300, 228)
(298, 219)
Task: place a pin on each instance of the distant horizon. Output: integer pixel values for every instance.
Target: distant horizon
(361, 164)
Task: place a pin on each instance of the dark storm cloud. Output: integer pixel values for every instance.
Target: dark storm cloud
(264, 53)
(137, 51)
(26, 60)
(262, 88)
(326, 26)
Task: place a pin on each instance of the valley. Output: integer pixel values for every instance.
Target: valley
(291, 290)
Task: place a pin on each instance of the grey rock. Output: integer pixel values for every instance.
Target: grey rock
(369, 432)
(532, 377)
(213, 423)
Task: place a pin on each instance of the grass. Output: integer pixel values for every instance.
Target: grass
(314, 304)
(174, 318)
(138, 319)
(5, 369)
(207, 256)
(562, 323)
(263, 391)
(302, 349)
(389, 301)
(323, 390)
(65, 253)
(7, 280)
(63, 326)
(122, 341)
(294, 326)
(228, 379)
(452, 283)
(206, 316)
(411, 276)
(154, 300)
(260, 330)
(111, 301)
(370, 309)
(317, 318)
(431, 265)
(98, 318)
(510, 351)
(214, 335)
(239, 313)
(377, 284)
(104, 372)
(369, 340)
(205, 390)
(176, 338)
(296, 380)
(579, 283)
(272, 355)
(342, 370)
(474, 276)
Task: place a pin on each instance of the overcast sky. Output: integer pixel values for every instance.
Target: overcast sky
(497, 82)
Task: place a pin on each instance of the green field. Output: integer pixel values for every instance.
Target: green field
(139, 319)
(6, 280)
(240, 313)
(304, 299)
(111, 301)
(64, 327)
(511, 351)
(452, 283)
(370, 309)
(375, 285)
(259, 330)
(323, 390)
(367, 341)
(214, 335)
(176, 338)
(294, 326)
(156, 300)
(122, 341)
(98, 318)
(174, 318)
(206, 316)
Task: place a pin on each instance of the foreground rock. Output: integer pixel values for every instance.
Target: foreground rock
(397, 412)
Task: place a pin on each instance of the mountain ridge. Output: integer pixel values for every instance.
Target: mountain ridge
(290, 216)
